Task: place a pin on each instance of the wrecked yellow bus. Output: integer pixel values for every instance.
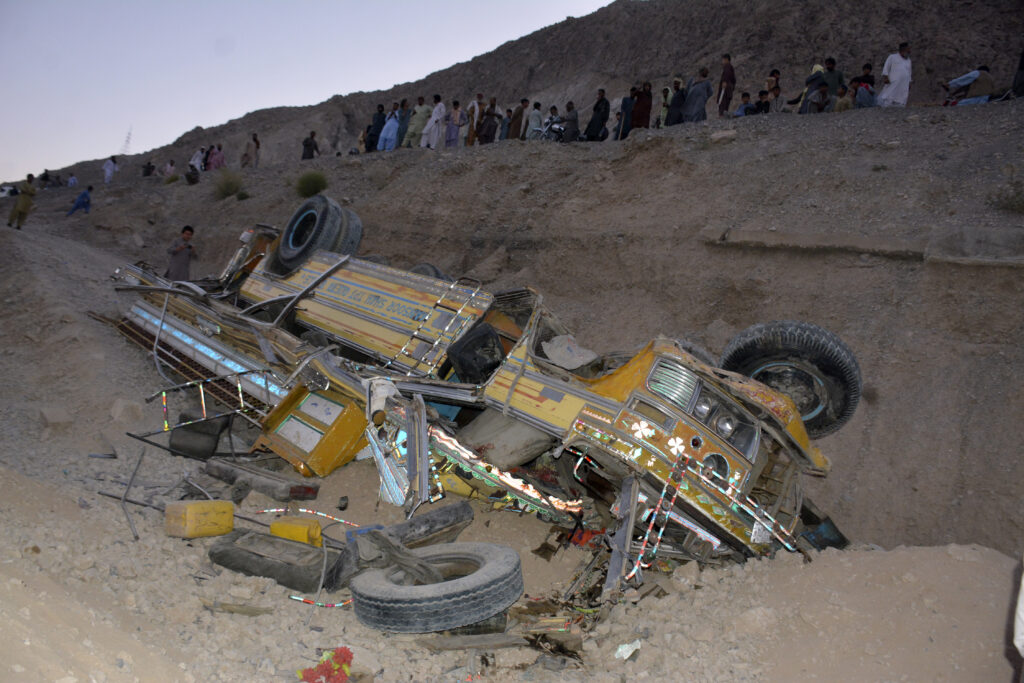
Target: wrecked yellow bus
(662, 449)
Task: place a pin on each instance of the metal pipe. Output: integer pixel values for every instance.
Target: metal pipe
(331, 270)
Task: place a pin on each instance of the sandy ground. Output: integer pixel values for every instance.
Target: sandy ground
(617, 237)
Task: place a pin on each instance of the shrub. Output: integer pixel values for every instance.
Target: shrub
(171, 179)
(227, 184)
(242, 194)
(1010, 197)
(311, 183)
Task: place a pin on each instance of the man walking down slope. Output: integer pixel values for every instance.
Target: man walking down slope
(179, 269)
(310, 147)
(23, 204)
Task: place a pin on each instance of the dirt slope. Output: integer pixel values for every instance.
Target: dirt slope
(81, 601)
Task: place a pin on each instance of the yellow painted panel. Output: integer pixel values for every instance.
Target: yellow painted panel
(338, 444)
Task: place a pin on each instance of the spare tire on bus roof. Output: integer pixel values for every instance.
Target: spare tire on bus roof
(350, 233)
(318, 224)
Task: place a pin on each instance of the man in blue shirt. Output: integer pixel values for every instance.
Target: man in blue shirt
(84, 201)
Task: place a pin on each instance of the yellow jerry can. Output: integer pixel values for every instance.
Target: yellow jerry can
(301, 529)
(196, 518)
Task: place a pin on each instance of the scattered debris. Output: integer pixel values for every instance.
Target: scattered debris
(627, 650)
(233, 608)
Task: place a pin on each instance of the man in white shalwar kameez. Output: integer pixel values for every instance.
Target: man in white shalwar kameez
(896, 77)
(434, 127)
(109, 167)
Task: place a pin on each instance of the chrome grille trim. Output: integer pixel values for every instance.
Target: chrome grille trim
(674, 383)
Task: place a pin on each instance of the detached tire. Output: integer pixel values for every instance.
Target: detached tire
(315, 225)
(482, 579)
(807, 363)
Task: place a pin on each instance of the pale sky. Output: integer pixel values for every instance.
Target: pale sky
(78, 74)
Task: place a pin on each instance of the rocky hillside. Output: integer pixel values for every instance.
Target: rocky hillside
(630, 41)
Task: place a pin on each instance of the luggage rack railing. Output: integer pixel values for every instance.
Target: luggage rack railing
(217, 387)
(201, 385)
(446, 335)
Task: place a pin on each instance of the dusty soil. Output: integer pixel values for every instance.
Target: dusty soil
(874, 224)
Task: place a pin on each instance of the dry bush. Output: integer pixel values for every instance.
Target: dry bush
(228, 183)
(311, 183)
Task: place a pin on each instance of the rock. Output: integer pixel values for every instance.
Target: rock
(241, 591)
(125, 411)
(723, 136)
(55, 417)
(687, 574)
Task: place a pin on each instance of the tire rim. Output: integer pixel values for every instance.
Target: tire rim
(303, 228)
(804, 384)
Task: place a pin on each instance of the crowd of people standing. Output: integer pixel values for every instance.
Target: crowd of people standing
(482, 121)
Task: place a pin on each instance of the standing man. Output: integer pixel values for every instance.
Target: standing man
(698, 92)
(417, 122)
(626, 109)
(644, 100)
(388, 137)
(726, 85)
(432, 131)
(674, 113)
(404, 112)
(251, 156)
(515, 126)
(376, 126)
(833, 77)
(23, 204)
(534, 123)
(181, 253)
(490, 118)
(599, 118)
(896, 78)
(83, 201)
(571, 121)
(309, 146)
(475, 111)
(109, 167)
(506, 121)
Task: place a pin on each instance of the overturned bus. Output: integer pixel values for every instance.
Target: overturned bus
(662, 449)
